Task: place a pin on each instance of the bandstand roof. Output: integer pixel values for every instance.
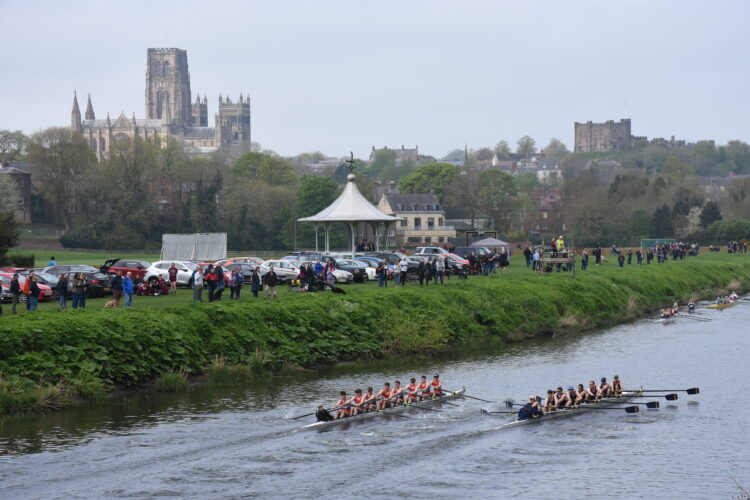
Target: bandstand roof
(350, 206)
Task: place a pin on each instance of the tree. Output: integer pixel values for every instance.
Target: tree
(265, 167)
(502, 149)
(526, 146)
(9, 195)
(556, 149)
(12, 145)
(496, 198)
(710, 213)
(384, 159)
(61, 159)
(455, 155)
(433, 178)
(8, 234)
(661, 222)
(312, 156)
(313, 195)
(483, 154)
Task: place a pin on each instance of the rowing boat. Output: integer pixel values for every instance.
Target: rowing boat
(605, 403)
(723, 306)
(398, 409)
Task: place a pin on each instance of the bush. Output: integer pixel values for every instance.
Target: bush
(81, 237)
(26, 261)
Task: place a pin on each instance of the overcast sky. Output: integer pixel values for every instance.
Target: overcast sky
(340, 76)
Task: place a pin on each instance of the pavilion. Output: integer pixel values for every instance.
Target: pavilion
(351, 208)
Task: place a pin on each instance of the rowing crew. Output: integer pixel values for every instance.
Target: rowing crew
(387, 397)
(670, 312)
(572, 397)
(729, 299)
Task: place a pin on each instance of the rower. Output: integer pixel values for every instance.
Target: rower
(691, 306)
(530, 409)
(411, 391)
(358, 402)
(572, 396)
(424, 388)
(592, 393)
(549, 403)
(397, 394)
(344, 409)
(384, 395)
(617, 385)
(562, 399)
(370, 400)
(322, 414)
(437, 386)
(732, 297)
(675, 309)
(604, 388)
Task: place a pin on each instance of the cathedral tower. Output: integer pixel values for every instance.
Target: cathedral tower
(75, 115)
(168, 87)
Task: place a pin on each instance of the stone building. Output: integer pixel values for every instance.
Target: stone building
(170, 112)
(422, 219)
(19, 172)
(603, 137)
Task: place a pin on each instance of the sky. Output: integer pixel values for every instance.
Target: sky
(340, 76)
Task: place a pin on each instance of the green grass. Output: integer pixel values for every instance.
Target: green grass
(64, 257)
(92, 349)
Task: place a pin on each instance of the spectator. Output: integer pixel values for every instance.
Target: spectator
(318, 268)
(116, 283)
(270, 281)
(85, 290)
(439, 270)
(620, 259)
(421, 271)
(503, 261)
(128, 289)
(33, 297)
(198, 284)
(256, 282)
(172, 273)
(220, 282)
(630, 256)
(527, 254)
(76, 290)
(210, 281)
(15, 292)
(26, 288)
(382, 274)
(62, 290)
(404, 269)
(535, 260)
(52, 261)
(239, 280)
(584, 260)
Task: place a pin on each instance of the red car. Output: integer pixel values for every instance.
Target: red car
(137, 268)
(45, 291)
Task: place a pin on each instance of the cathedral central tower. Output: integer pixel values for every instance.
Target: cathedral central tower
(168, 87)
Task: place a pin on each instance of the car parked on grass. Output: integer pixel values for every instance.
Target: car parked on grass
(356, 268)
(137, 268)
(285, 269)
(58, 270)
(246, 270)
(339, 275)
(185, 270)
(257, 261)
(45, 291)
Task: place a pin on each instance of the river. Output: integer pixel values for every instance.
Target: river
(235, 443)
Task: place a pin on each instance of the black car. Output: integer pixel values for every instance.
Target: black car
(359, 272)
(245, 269)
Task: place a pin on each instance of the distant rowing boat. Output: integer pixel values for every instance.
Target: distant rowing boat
(605, 403)
(398, 409)
(723, 306)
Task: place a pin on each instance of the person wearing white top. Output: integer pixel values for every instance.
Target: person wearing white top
(404, 265)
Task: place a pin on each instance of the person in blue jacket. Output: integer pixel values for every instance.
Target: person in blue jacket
(128, 289)
(530, 409)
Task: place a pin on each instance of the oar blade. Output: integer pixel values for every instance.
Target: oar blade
(632, 409)
(693, 390)
(670, 397)
(509, 403)
(652, 404)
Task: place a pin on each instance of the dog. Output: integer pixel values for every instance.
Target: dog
(109, 303)
(336, 289)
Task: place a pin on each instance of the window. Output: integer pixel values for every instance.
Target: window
(441, 239)
(428, 239)
(414, 239)
(391, 232)
(430, 223)
(418, 223)
(440, 222)
(403, 222)
(545, 226)
(544, 215)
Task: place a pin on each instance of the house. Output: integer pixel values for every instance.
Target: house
(20, 173)
(422, 219)
(548, 221)
(547, 171)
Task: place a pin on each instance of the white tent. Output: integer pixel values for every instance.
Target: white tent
(490, 243)
(196, 246)
(351, 207)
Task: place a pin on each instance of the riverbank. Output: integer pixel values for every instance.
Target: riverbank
(53, 358)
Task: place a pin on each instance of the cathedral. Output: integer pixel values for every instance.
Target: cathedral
(171, 112)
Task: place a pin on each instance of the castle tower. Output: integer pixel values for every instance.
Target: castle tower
(90, 110)
(200, 112)
(168, 87)
(233, 125)
(75, 115)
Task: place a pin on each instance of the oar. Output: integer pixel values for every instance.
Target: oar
(485, 412)
(692, 390)
(467, 396)
(650, 404)
(668, 397)
(288, 417)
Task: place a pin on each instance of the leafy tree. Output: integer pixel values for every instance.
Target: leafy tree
(313, 195)
(710, 213)
(496, 198)
(640, 225)
(685, 199)
(269, 168)
(8, 234)
(502, 149)
(661, 222)
(9, 195)
(313, 156)
(12, 145)
(483, 154)
(384, 159)
(61, 159)
(433, 178)
(455, 155)
(556, 149)
(526, 146)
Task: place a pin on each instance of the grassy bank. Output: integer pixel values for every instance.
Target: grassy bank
(52, 357)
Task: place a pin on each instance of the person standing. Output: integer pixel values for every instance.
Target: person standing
(221, 283)
(421, 271)
(26, 289)
(33, 297)
(52, 262)
(76, 290)
(527, 254)
(630, 256)
(584, 260)
(15, 292)
(503, 262)
(598, 255)
(210, 281)
(62, 291)
(397, 274)
(172, 273)
(270, 281)
(535, 260)
(380, 272)
(621, 259)
(255, 282)
(639, 256)
(404, 268)
(85, 290)
(439, 270)
(198, 284)
(116, 288)
(127, 289)
(239, 280)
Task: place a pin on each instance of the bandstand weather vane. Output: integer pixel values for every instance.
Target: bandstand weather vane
(350, 161)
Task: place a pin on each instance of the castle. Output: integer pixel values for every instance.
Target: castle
(170, 112)
(607, 136)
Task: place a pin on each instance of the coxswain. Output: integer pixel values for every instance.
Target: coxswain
(530, 409)
(343, 407)
(411, 391)
(732, 297)
(604, 388)
(384, 396)
(322, 414)
(424, 388)
(370, 400)
(358, 402)
(437, 386)
(397, 394)
(549, 402)
(616, 385)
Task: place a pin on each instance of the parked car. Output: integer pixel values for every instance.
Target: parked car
(99, 284)
(358, 269)
(257, 261)
(372, 264)
(246, 270)
(466, 251)
(285, 269)
(45, 291)
(392, 258)
(455, 260)
(185, 270)
(58, 270)
(339, 275)
(137, 268)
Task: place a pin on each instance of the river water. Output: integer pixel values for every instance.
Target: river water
(236, 444)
